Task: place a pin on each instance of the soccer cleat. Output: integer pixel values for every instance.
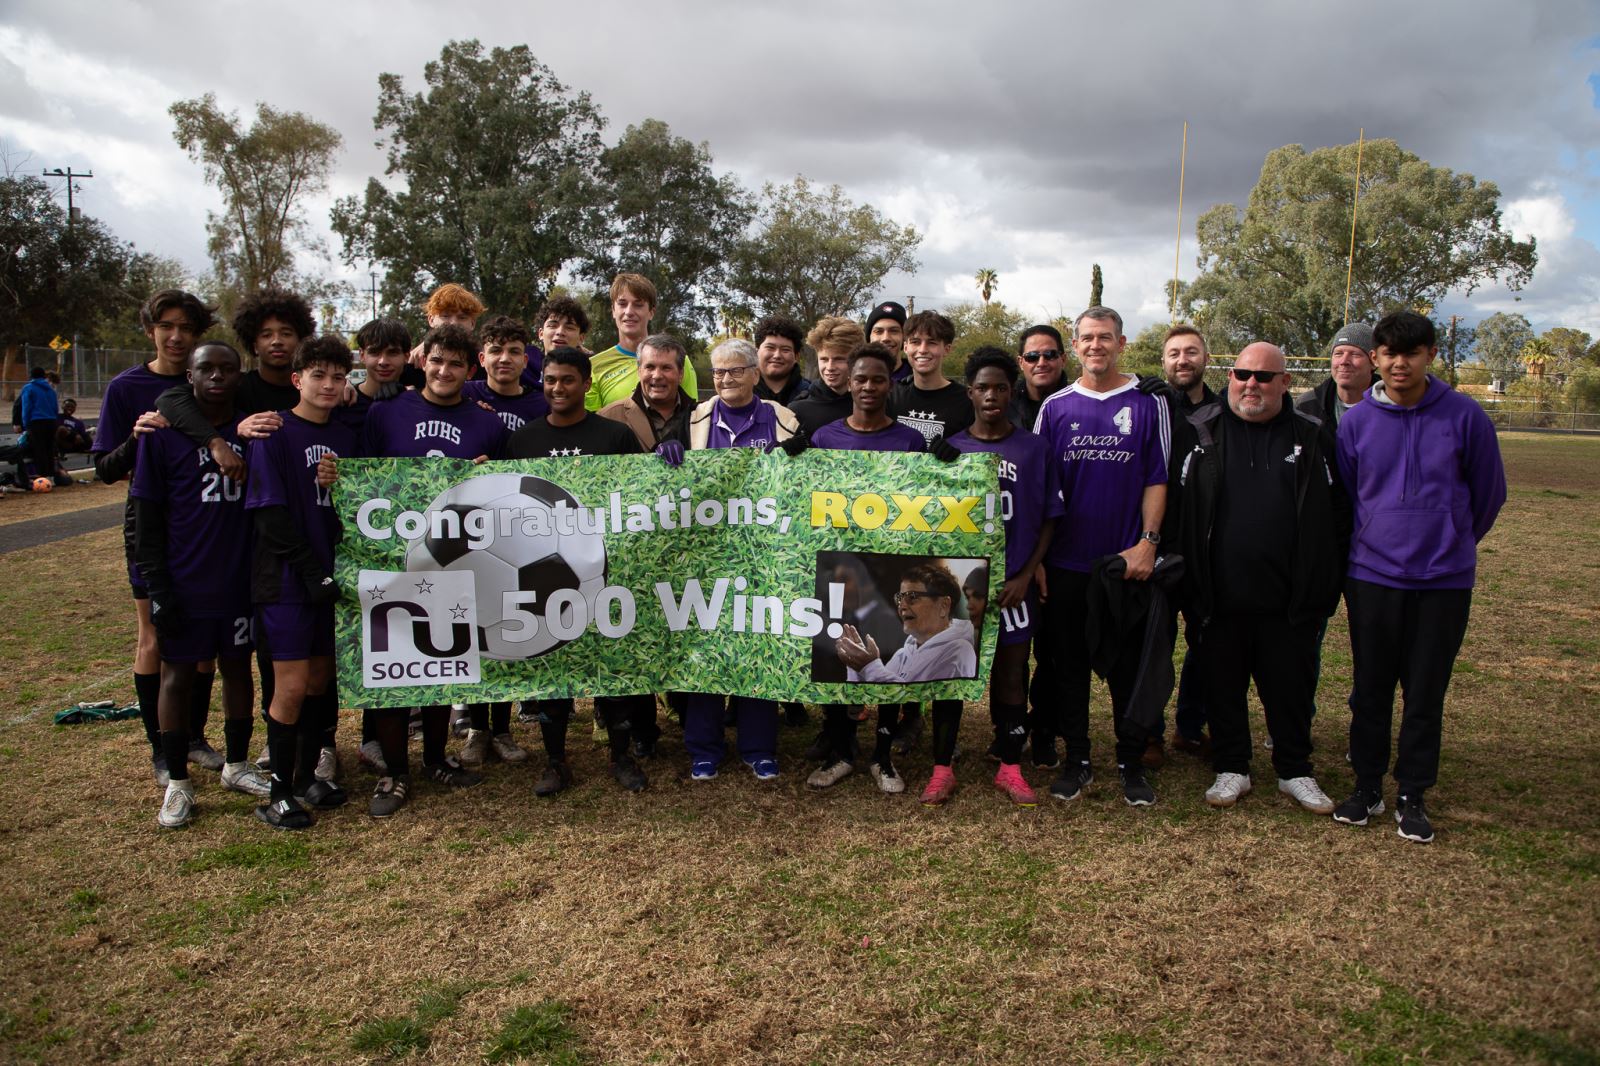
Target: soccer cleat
(890, 782)
(527, 712)
(158, 769)
(764, 769)
(244, 777)
(371, 754)
(323, 795)
(505, 749)
(389, 796)
(557, 777)
(177, 806)
(284, 814)
(476, 750)
(460, 721)
(264, 760)
(831, 774)
(1072, 783)
(1044, 753)
(994, 750)
(452, 774)
(1136, 791)
(1200, 748)
(1228, 789)
(1362, 804)
(203, 755)
(1412, 818)
(940, 787)
(1009, 779)
(1155, 754)
(1304, 791)
(906, 739)
(626, 773)
(702, 770)
(327, 765)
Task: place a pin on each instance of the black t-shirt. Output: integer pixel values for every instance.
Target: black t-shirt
(593, 436)
(1252, 543)
(256, 394)
(936, 413)
(821, 406)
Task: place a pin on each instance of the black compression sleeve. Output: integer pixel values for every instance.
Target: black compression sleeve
(111, 467)
(150, 545)
(179, 407)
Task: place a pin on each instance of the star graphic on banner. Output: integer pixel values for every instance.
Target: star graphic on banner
(1074, 427)
(458, 611)
(375, 592)
(424, 586)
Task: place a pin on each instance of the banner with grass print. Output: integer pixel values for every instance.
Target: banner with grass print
(831, 576)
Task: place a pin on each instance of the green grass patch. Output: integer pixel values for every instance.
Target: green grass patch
(540, 1033)
(276, 853)
(395, 1037)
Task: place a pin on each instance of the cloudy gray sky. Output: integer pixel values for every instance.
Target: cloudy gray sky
(1033, 138)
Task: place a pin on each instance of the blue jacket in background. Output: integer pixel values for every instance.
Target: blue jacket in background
(39, 402)
(1426, 483)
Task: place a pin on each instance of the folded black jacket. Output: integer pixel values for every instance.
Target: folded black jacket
(1127, 614)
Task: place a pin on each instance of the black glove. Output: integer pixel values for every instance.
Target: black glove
(320, 591)
(165, 615)
(944, 451)
(1154, 386)
(795, 444)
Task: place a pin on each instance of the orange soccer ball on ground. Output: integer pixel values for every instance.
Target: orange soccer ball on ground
(43, 484)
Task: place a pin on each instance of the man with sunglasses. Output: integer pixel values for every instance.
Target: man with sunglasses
(1043, 358)
(1263, 523)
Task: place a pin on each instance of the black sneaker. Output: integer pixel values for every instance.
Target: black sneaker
(1413, 819)
(1072, 783)
(389, 796)
(994, 750)
(1135, 789)
(284, 814)
(629, 776)
(906, 739)
(1044, 753)
(557, 777)
(203, 755)
(452, 773)
(1362, 804)
(819, 748)
(323, 795)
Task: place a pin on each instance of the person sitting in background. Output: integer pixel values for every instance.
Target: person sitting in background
(72, 432)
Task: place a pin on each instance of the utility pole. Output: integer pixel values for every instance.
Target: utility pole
(1451, 348)
(72, 217)
(374, 275)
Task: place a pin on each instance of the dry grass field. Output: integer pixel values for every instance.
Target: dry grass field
(732, 921)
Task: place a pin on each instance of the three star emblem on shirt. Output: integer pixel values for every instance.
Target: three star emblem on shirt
(554, 452)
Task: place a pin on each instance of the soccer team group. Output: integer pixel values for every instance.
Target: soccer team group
(1375, 487)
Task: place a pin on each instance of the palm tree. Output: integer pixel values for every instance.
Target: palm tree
(988, 281)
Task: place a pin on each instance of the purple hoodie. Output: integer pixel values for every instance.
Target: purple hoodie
(1427, 483)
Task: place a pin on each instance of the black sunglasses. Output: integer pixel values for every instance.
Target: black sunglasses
(1261, 376)
(1048, 354)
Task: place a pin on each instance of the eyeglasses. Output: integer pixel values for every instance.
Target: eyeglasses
(728, 371)
(1047, 354)
(903, 598)
(1261, 376)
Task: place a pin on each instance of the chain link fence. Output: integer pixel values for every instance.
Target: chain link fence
(84, 373)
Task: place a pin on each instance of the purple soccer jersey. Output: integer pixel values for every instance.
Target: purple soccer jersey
(514, 411)
(283, 473)
(129, 395)
(838, 436)
(1028, 491)
(1107, 447)
(208, 531)
(411, 426)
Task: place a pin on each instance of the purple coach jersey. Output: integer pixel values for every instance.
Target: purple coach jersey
(283, 473)
(1107, 447)
(1028, 491)
(411, 426)
(208, 531)
(840, 437)
(129, 395)
(514, 411)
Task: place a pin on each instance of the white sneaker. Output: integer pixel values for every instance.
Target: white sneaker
(1227, 789)
(507, 749)
(328, 765)
(264, 760)
(476, 749)
(1304, 791)
(891, 783)
(177, 806)
(831, 774)
(244, 777)
(372, 758)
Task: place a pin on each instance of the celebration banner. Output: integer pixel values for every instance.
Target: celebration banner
(739, 572)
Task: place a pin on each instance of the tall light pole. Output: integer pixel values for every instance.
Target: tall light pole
(72, 217)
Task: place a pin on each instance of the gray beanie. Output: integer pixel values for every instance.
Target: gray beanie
(1356, 333)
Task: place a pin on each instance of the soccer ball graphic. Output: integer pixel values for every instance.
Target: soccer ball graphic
(543, 564)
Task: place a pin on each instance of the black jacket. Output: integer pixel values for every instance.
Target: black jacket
(1322, 510)
(1125, 617)
(1319, 402)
